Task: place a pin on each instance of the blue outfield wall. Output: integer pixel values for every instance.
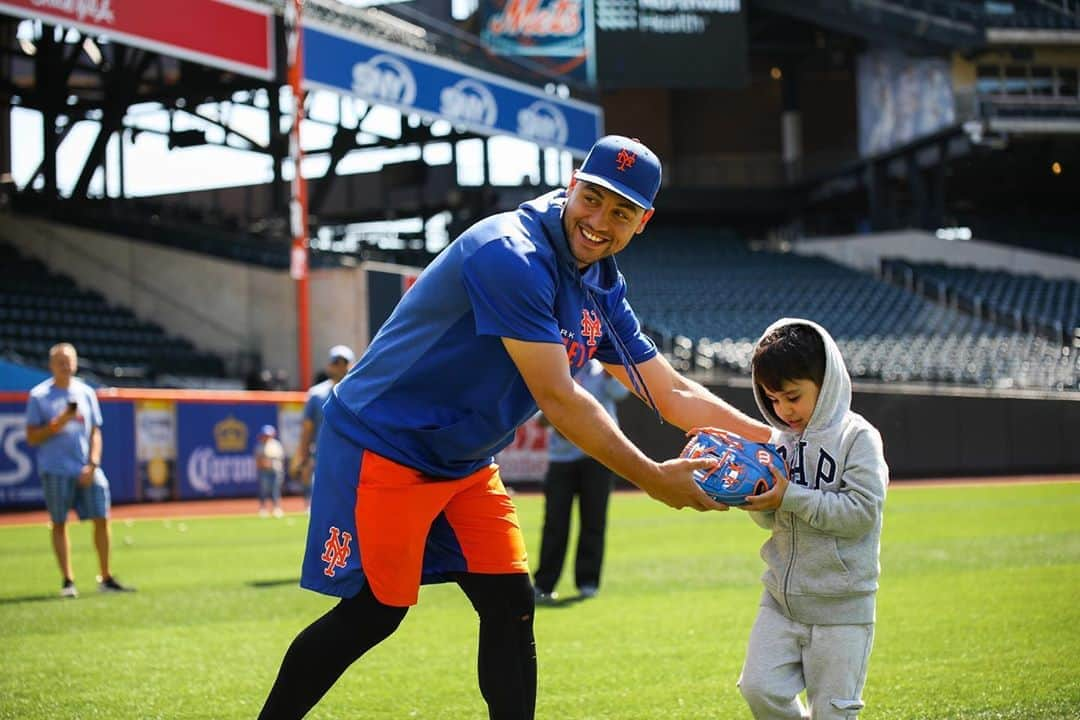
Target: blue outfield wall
(160, 445)
(187, 445)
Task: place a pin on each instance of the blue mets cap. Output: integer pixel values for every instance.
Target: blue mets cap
(625, 166)
(268, 431)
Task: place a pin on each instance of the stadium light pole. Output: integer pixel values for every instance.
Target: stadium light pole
(298, 200)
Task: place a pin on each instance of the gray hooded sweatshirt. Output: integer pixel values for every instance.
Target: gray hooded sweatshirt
(822, 556)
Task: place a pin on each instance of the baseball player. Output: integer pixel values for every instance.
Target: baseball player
(407, 491)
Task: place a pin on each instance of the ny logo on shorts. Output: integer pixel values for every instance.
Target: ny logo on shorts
(336, 553)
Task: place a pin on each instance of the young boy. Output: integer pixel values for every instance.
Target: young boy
(815, 626)
(270, 464)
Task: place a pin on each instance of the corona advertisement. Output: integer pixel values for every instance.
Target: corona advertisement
(216, 444)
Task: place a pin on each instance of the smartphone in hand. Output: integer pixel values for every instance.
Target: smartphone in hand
(72, 406)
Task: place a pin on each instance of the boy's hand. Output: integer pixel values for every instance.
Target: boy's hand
(769, 500)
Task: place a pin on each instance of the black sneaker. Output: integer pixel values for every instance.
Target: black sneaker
(110, 584)
(68, 589)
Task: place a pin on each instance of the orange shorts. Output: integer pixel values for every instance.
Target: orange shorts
(375, 521)
(411, 529)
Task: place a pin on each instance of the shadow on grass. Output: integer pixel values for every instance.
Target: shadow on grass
(33, 598)
(562, 602)
(274, 583)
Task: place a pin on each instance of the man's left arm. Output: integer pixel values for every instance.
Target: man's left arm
(687, 404)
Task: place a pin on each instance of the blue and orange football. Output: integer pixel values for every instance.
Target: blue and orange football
(743, 468)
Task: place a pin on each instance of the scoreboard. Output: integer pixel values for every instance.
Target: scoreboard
(670, 43)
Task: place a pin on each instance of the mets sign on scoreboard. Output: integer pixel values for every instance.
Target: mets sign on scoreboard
(466, 97)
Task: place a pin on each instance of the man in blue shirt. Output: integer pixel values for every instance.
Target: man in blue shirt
(340, 359)
(495, 328)
(63, 420)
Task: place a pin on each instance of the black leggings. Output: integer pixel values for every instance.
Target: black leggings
(506, 663)
(507, 651)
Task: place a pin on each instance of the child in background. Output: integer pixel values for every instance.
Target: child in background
(815, 626)
(270, 464)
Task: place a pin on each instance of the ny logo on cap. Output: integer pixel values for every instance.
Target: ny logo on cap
(625, 159)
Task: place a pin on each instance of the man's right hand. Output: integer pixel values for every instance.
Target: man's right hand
(86, 475)
(675, 486)
(57, 423)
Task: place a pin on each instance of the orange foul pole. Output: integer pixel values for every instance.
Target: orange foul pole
(298, 201)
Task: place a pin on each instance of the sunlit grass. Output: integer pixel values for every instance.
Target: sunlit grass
(978, 617)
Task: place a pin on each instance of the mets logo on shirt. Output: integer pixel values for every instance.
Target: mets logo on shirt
(590, 327)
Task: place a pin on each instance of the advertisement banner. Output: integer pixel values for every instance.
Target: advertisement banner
(19, 484)
(550, 32)
(228, 34)
(118, 447)
(385, 74)
(162, 445)
(525, 459)
(155, 450)
(215, 445)
(290, 419)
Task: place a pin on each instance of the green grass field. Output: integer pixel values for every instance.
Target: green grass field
(978, 617)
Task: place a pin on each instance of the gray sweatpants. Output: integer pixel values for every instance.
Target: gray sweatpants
(785, 657)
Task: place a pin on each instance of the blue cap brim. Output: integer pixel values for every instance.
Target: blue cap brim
(626, 192)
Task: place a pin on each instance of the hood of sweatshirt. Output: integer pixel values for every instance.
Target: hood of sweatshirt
(834, 398)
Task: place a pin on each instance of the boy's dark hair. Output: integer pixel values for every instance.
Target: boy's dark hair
(790, 352)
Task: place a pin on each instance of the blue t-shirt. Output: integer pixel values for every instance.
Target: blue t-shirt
(66, 452)
(436, 389)
(313, 407)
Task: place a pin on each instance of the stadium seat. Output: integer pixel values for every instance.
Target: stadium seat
(39, 309)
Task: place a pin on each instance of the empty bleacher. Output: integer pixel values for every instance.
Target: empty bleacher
(39, 309)
(709, 297)
(1022, 301)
